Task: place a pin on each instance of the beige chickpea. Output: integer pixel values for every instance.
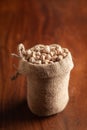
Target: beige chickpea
(38, 62)
(47, 49)
(54, 58)
(52, 53)
(37, 57)
(59, 49)
(51, 62)
(64, 55)
(52, 48)
(32, 60)
(38, 53)
(48, 57)
(29, 52)
(46, 61)
(60, 57)
(37, 48)
(34, 54)
(43, 58)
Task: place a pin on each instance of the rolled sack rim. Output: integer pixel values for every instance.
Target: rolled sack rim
(47, 70)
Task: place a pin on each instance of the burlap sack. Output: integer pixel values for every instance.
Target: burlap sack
(47, 85)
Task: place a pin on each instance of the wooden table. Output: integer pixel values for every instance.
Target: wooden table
(42, 21)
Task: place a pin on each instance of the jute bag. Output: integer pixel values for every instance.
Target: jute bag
(47, 85)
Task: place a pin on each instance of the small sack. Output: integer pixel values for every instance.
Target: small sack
(47, 85)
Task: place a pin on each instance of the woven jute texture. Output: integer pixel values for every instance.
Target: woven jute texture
(47, 85)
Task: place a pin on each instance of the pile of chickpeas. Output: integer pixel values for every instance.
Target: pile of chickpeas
(43, 54)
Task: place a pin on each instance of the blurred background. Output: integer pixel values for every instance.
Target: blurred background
(43, 21)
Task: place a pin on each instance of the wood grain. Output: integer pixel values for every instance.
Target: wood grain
(41, 21)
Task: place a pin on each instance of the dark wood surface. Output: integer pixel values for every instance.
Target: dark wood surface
(42, 21)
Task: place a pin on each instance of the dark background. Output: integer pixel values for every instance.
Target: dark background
(42, 21)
